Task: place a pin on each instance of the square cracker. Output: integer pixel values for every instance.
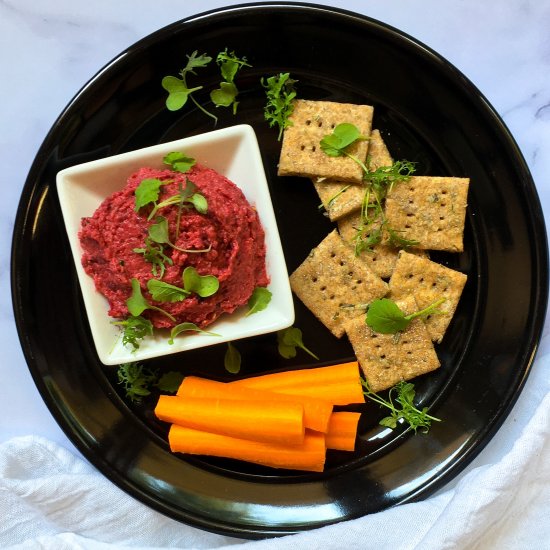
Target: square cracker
(382, 257)
(301, 153)
(430, 210)
(332, 277)
(340, 198)
(428, 281)
(386, 359)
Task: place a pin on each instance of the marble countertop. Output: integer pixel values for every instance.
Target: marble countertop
(50, 49)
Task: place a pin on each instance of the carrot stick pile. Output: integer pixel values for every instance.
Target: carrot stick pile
(281, 420)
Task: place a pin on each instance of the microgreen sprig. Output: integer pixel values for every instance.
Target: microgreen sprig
(343, 136)
(226, 94)
(288, 340)
(378, 183)
(179, 91)
(138, 380)
(159, 233)
(280, 92)
(386, 317)
(137, 303)
(187, 327)
(135, 329)
(232, 359)
(259, 300)
(402, 407)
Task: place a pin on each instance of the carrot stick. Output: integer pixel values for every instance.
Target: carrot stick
(345, 393)
(316, 411)
(269, 421)
(302, 377)
(342, 430)
(309, 455)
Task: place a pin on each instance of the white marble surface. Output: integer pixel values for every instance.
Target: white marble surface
(48, 50)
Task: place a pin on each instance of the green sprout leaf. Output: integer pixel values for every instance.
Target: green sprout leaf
(147, 192)
(165, 292)
(343, 135)
(154, 254)
(159, 233)
(179, 162)
(203, 285)
(259, 300)
(137, 303)
(136, 380)
(288, 340)
(226, 94)
(179, 91)
(187, 327)
(401, 407)
(170, 381)
(232, 359)
(280, 92)
(135, 329)
(385, 316)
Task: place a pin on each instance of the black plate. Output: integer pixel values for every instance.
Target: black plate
(429, 113)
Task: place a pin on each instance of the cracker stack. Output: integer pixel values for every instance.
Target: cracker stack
(337, 284)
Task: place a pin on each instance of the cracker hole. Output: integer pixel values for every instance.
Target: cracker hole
(331, 297)
(314, 279)
(323, 288)
(302, 148)
(313, 148)
(320, 124)
(308, 122)
(359, 281)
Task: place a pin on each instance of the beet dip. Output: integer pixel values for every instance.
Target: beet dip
(230, 229)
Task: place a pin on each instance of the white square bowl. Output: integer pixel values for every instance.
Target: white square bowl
(233, 152)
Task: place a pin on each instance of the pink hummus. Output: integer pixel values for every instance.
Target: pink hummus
(231, 228)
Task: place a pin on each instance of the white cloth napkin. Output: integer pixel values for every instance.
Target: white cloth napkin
(52, 499)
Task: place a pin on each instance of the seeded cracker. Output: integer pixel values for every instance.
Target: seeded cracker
(429, 210)
(341, 198)
(428, 281)
(386, 359)
(331, 277)
(381, 258)
(301, 153)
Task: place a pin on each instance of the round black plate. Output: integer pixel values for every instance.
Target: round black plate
(428, 113)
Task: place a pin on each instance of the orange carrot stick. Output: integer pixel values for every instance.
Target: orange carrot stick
(309, 455)
(316, 411)
(342, 430)
(302, 377)
(271, 421)
(345, 393)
